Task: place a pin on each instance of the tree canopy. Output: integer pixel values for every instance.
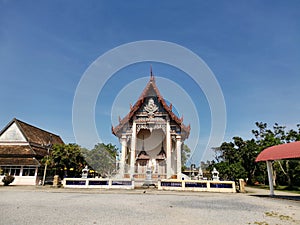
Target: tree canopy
(102, 158)
(65, 160)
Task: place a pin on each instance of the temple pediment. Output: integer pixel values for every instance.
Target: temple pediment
(151, 107)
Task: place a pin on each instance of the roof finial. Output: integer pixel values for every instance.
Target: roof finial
(151, 73)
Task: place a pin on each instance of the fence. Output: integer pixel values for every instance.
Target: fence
(197, 185)
(98, 183)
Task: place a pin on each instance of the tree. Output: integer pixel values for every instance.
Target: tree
(236, 159)
(7, 179)
(185, 154)
(102, 158)
(65, 160)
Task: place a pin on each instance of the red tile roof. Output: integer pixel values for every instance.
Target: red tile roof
(283, 151)
(14, 150)
(36, 135)
(19, 161)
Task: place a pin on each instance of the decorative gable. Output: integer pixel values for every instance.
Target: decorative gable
(12, 134)
(151, 104)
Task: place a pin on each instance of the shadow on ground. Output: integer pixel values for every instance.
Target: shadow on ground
(287, 197)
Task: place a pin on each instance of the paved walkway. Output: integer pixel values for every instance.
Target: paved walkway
(45, 205)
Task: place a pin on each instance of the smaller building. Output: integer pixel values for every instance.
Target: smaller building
(22, 147)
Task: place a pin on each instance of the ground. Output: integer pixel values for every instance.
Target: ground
(46, 205)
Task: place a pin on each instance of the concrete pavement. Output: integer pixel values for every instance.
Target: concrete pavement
(45, 205)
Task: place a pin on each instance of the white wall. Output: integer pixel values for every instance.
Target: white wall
(12, 134)
(22, 180)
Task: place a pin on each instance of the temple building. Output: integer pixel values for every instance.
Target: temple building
(22, 147)
(151, 136)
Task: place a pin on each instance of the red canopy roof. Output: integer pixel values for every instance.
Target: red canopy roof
(283, 151)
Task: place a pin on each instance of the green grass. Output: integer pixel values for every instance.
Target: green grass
(261, 223)
(280, 216)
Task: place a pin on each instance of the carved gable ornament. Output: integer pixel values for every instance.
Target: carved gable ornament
(151, 107)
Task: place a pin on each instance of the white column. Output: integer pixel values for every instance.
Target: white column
(35, 175)
(132, 154)
(123, 157)
(270, 176)
(178, 151)
(168, 140)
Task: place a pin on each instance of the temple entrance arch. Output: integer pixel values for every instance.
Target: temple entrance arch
(151, 155)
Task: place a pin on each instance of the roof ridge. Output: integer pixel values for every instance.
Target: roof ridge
(27, 124)
(37, 135)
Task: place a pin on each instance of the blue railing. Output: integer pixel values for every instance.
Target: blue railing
(197, 185)
(98, 183)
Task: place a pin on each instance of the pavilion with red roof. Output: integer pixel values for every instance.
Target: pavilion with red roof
(277, 152)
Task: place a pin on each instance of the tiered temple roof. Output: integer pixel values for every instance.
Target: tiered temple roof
(151, 85)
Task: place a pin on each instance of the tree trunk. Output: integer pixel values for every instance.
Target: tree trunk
(286, 173)
(274, 177)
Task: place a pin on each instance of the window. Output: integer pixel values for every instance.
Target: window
(28, 171)
(11, 170)
(15, 170)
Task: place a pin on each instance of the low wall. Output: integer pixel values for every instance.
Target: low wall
(21, 180)
(98, 183)
(197, 185)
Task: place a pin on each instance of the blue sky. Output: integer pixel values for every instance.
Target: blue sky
(252, 47)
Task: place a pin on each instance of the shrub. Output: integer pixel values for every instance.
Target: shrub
(8, 179)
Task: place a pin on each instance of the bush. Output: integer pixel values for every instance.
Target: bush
(8, 179)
